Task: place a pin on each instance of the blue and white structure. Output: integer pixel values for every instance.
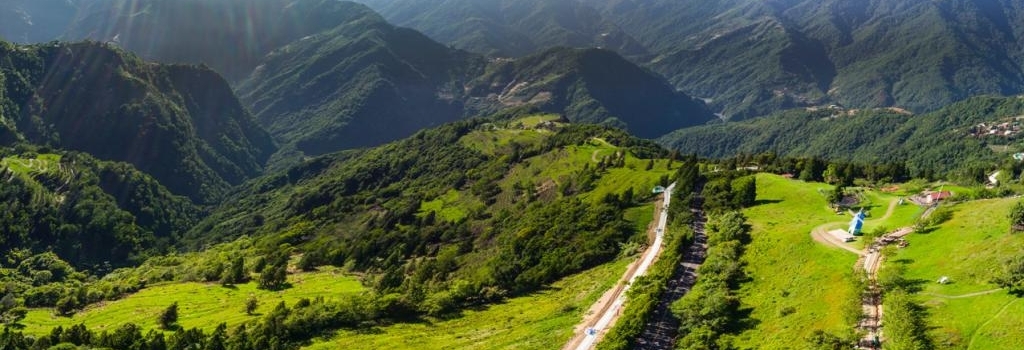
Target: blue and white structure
(857, 223)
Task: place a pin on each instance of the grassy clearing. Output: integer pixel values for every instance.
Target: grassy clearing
(558, 166)
(452, 206)
(200, 305)
(498, 138)
(641, 216)
(43, 163)
(796, 285)
(543, 320)
(969, 249)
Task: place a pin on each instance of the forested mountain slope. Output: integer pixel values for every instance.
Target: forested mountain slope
(589, 86)
(367, 82)
(181, 124)
(360, 84)
(94, 214)
(755, 56)
(509, 28)
(950, 142)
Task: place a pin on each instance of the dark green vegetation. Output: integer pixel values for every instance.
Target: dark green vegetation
(365, 210)
(362, 83)
(752, 57)
(645, 292)
(180, 124)
(712, 307)
(67, 218)
(506, 28)
(367, 82)
(89, 212)
(933, 145)
(591, 86)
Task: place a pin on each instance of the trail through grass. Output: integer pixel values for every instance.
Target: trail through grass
(969, 249)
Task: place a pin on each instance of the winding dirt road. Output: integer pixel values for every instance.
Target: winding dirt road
(871, 260)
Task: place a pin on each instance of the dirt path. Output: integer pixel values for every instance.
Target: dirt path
(602, 316)
(820, 234)
(961, 296)
(974, 335)
(871, 260)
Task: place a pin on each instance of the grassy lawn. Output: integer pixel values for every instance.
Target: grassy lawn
(543, 320)
(200, 305)
(969, 249)
(796, 285)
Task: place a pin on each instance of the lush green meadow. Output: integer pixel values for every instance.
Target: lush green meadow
(201, 305)
(969, 250)
(796, 285)
(542, 320)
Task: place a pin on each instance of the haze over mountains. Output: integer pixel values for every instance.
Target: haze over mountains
(324, 75)
(754, 57)
(457, 153)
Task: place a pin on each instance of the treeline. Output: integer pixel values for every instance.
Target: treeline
(647, 290)
(720, 192)
(282, 328)
(905, 324)
(712, 308)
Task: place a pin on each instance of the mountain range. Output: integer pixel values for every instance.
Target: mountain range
(751, 58)
(181, 124)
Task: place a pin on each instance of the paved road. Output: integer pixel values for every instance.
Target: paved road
(610, 314)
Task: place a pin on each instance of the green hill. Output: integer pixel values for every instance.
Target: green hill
(89, 212)
(180, 124)
(437, 204)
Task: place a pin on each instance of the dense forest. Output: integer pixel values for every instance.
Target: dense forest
(947, 143)
(180, 124)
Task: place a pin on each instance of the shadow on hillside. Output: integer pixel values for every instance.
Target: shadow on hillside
(766, 201)
(742, 321)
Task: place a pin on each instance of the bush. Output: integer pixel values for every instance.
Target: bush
(169, 317)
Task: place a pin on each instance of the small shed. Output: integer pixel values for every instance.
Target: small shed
(935, 197)
(658, 189)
